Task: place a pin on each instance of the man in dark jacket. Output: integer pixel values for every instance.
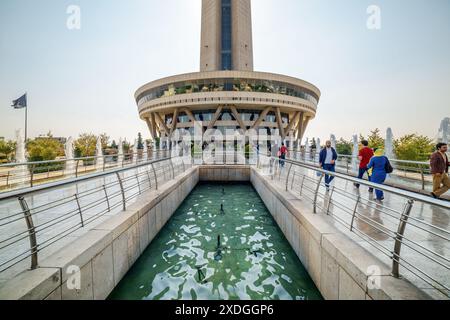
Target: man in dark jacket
(439, 169)
(327, 160)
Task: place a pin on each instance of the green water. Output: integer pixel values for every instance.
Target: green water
(252, 261)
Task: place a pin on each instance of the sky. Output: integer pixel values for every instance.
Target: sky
(84, 80)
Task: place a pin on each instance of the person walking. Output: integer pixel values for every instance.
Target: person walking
(439, 169)
(379, 167)
(279, 157)
(327, 161)
(365, 154)
(283, 154)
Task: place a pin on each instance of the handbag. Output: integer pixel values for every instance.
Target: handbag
(388, 167)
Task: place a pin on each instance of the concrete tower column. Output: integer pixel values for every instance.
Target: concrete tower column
(214, 29)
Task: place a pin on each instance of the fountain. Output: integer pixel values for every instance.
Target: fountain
(135, 152)
(333, 141)
(100, 161)
(355, 154)
(444, 131)
(389, 144)
(120, 157)
(20, 148)
(22, 172)
(145, 153)
(70, 163)
(307, 149)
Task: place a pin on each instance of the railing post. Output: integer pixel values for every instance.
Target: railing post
(287, 177)
(7, 178)
(79, 209)
(293, 179)
(354, 213)
(76, 169)
(329, 200)
(31, 175)
(154, 175)
(107, 198)
(316, 194)
(423, 176)
(122, 190)
(31, 232)
(149, 179)
(173, 170)
(399, 238)
(138, 182)
(301, 186)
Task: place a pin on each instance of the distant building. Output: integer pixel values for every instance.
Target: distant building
(444, 131)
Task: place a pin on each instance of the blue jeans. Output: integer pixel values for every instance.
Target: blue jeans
(361, 173)
(379, 179)
(331, 168)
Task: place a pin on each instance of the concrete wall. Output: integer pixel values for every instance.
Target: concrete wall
(340, 268)
(106, 253)
(225, 173)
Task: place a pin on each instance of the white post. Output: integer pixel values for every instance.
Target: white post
(70, 163)
(99, 161)
(389, 144)
(135, 151)
(120, 155)
(22, 173)
(355, 153)
(333, 141)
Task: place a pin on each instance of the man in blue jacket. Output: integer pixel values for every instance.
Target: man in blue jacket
(327, 160)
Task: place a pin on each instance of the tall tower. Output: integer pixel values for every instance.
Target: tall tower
(227, 94)
(226, 39)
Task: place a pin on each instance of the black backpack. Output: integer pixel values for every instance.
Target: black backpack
(388, 167)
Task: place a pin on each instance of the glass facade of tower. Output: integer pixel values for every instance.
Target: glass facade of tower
(227, 59)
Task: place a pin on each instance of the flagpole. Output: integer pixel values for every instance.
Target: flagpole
(26, 123)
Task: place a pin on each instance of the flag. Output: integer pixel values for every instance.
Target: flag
(20, 103)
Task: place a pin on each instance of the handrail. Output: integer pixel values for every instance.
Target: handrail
(387, 229)
(19, 175)
(64, 213)
(417, 171)
(12, 164)
(393, 190)
(390, 159)
(62, 183)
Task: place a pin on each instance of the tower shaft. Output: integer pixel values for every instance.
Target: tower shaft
(226, 39)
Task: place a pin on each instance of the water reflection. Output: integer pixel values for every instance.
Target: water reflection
(205, 254)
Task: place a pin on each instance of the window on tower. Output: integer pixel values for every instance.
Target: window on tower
(227, 60)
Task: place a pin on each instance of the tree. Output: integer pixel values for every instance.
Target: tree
(114, 145)
(44, 149)
(126, 147)
(104, 138)
(413, 147)
(140, 143)
(344, 147)
(85, 145)
(7, 149)
(375, 139)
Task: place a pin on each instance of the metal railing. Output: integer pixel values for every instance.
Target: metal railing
(36, 218)
(20, 175)
(405, 171)
(408, 230)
